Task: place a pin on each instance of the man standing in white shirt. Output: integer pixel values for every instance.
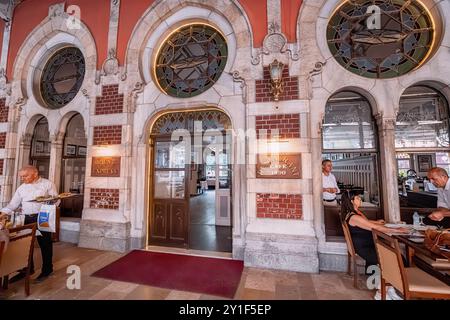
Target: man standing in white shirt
(439, 178)
(329, 184)
(34, 186)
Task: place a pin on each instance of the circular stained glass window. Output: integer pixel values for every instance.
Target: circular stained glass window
(191, 60)
(381, 38)
(62, 77)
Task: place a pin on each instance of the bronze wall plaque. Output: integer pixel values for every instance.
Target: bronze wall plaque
(279, 166)
(105, 167)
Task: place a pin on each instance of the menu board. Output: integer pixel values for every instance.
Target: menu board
(279, 166)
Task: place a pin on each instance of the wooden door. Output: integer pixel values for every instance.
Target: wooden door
(169, 219)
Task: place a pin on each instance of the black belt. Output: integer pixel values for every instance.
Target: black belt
(329, 200)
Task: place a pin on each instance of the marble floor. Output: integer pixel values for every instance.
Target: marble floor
(203, 232)
(256, 284)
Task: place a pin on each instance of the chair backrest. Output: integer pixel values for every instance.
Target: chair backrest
(2, 247)
(20, 248)
(390, 259)
(348, 239)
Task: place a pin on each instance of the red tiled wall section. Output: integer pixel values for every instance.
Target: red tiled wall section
(2, 161)
(3, 110)
(2, 140)
(107, 135)
(110, 101)
(104, 198)
(290, 85)
(288, 125)
(279, 206)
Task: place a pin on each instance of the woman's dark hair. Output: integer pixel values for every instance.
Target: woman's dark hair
(346, 203)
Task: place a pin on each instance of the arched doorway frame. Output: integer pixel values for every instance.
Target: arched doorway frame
(237, 195)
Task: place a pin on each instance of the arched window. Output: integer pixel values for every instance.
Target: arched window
(348, 123)
(350, 142)
(422, 134)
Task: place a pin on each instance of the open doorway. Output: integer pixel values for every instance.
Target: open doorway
(40, 148)
(209, 204)
(73, 167)
(191, 199)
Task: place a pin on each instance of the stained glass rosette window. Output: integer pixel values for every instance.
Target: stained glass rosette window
(62, 77)
(191, 60)
(402, 42)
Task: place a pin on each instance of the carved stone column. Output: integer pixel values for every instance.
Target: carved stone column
(388, 184)
(56, 152)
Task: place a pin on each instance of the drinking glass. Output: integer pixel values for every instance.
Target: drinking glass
(421, 221)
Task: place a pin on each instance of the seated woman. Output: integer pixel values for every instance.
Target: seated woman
(361, 228)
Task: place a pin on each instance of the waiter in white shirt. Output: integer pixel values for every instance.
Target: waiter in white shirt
(439, 178)
(329, 184)
(34, 186)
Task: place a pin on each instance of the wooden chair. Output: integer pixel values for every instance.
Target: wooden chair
(353, 258)
(18, 254)
(411, 282)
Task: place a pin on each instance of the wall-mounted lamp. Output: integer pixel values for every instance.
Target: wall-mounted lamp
(104, 151)
(276, 74)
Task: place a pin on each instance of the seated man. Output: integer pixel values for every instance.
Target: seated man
(439, 178)
(329, 184)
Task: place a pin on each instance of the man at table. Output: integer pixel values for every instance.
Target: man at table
(439, 178)
(329, 184)
(33, 186)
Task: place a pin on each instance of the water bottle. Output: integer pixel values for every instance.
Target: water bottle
(416, 219)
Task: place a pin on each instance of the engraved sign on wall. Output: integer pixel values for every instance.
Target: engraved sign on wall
(279, 166)
(105, 167)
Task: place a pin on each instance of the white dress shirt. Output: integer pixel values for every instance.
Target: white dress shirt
(329, 181)
(444, 196)
(28, 192)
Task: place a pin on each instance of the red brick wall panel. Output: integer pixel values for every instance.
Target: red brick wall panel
(3, 110)
(107, 135)
(288, 126)
(2, 140)
(110, 102)
(2, 162)
(290, 85)
(279, 206)
(104, 199)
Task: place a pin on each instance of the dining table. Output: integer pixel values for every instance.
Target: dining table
(417, 254)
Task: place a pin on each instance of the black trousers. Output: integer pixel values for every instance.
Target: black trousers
(46, 245)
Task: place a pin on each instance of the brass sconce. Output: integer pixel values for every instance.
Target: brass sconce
(276, 74)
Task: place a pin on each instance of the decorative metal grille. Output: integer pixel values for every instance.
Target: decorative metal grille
(210, 119)
(62, 77)
(401, 44)
(191, 61)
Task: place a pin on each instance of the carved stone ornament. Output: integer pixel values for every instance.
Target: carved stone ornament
(56, 10)
(3, 79)
(17, 107)
(274, 42)
(111, 64)
(238, 78)
(138, 88)
(318, 68)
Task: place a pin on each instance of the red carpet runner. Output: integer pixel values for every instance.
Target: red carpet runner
(217, 277)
